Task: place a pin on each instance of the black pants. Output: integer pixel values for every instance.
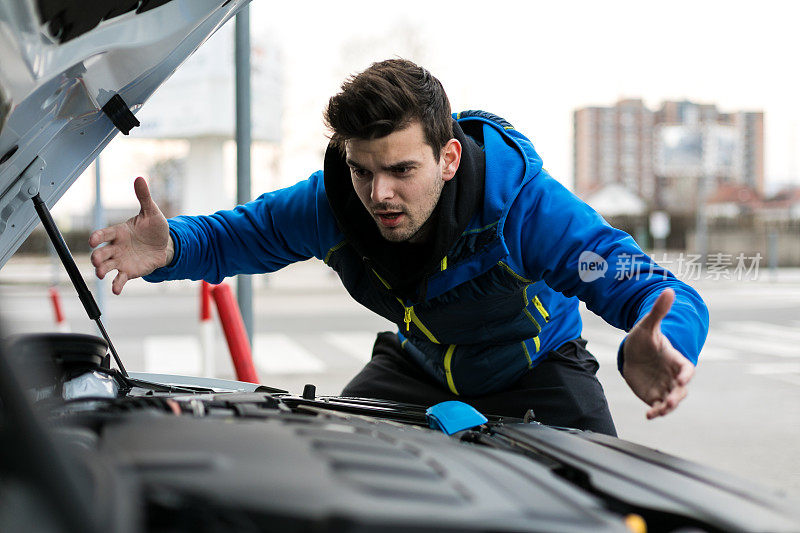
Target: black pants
(562, 390)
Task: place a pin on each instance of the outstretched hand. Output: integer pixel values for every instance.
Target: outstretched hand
(656, 372)
(136, 247)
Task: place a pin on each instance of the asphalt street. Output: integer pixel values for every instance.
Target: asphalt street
(742, 414)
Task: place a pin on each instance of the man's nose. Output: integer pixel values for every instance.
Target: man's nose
(382, 188)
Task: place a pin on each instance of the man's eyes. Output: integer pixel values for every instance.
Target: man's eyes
(363, 174)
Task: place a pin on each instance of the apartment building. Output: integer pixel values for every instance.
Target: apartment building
(666, 156)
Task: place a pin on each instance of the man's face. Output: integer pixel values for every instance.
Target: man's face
(399, 180)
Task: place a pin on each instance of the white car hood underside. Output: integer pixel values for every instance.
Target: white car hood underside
(52, 125)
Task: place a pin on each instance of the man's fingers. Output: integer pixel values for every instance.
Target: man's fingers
(654, 410)
(101, 255)
(119, 282)
(659, 409)
(685, 373)
(669, 404)
(105, 268)
(102, 235)
(143, 195)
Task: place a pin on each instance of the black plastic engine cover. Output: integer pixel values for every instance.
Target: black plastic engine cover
(343, 473)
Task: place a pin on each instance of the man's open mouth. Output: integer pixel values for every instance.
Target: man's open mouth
(390, 219)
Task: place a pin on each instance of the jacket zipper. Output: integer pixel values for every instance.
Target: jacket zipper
(546, 317)
(525, 308)
(409, 315)
(448, 360)
(540, 307)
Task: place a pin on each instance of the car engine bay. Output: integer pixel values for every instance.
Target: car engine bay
(166, 456)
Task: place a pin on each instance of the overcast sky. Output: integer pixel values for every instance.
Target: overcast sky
(534, 62)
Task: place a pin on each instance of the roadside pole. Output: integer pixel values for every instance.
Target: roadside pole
(772, 255)
(207, 331)
(244, 283)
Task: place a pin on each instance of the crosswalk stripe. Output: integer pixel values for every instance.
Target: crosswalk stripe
(774, 368)
(753, 345)
(604, 346)
(172, 354)
(763, 329)
(276, 353)
(607, 353)
(726, 341)
(357, 344)
(711, 352)
(604, 352)
(611, 338)
(787, 372)
(603, 343)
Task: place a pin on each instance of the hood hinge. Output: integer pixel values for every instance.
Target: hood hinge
(25, 187)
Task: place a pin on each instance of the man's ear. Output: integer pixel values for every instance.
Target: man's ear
(451, 158)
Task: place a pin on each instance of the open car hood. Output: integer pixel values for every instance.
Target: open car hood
(73, 73)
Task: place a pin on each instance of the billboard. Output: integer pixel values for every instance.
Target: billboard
(719, 149)
(703, 149)
(679, 150)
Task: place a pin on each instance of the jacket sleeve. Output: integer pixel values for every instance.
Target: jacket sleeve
(264, 235)
(562, 237)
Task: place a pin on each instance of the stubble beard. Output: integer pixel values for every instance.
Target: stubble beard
(419, 232)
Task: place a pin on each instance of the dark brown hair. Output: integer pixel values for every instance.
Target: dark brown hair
(387, 97)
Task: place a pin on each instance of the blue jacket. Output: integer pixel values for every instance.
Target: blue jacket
(507, 291)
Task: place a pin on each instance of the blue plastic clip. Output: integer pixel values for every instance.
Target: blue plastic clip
(453, 416)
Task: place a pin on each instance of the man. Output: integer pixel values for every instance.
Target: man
(449, 227)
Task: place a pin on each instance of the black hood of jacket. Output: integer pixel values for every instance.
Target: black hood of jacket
(403, 264)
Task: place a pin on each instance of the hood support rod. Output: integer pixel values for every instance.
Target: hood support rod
(74, 274)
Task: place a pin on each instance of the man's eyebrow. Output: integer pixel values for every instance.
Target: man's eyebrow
(391, 168)
(400, 165)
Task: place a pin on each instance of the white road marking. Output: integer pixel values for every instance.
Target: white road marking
(745, 343)
(715, 353)
(357, 344)
(774, 368)
(604, 346)
(172, 354)
(605, 353)
(605, 336)
(603, 343)
(755, 328)
(787, 372)
(276, 353)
